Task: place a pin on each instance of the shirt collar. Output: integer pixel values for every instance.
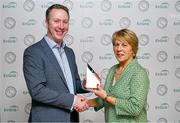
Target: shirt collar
(53, 44)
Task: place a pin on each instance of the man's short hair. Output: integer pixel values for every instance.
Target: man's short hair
(56, 6)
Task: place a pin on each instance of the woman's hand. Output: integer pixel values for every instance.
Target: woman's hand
(84, 83)
(99, 92)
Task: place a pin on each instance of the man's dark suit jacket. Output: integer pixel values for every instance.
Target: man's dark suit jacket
(51, 99)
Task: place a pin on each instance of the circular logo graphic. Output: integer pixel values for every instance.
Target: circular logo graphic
(29, 40)
(124, 22)
(87, 22)
(10, 57)
(177, 106)
(11, 121)
(29, 5)
(68, 4)
(162, 22)
(177, 39)
(162, 56)
(87, 57)
(9, 22)
(177, 6)
(177, 73)
(143, 39)
(106, 5)
(147, 71)
(47, 5)
(10, 91)
(68, 39)
(27, 108)
(104, 73)
(162, 120)
(105, 39)
(72, 22)
(143, 5)
(162, 90)
(87, 121)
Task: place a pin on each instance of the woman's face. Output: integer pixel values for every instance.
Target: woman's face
(123, 51)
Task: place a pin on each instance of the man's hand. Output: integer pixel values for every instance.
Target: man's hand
(80, 104)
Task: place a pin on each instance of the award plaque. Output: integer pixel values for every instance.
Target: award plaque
(91, 78)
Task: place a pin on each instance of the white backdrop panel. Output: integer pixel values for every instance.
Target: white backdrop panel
(157, 24)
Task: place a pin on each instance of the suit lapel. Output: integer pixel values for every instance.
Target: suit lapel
(51, 57)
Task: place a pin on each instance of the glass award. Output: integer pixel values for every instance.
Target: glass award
(91, 78)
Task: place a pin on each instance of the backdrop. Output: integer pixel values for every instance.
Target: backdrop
(156, 22)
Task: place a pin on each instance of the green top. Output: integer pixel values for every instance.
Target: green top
(130, 92)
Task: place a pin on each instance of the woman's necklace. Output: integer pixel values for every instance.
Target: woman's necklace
(118, 73)
(120, 70)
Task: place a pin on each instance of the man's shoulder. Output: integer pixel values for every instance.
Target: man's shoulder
(36, 47)
(67, 48)
(140, 70)
(36, 44)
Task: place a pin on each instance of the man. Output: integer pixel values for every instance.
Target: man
(51, 73)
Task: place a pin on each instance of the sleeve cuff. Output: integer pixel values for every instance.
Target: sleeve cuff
(73, 103)
(100, 104)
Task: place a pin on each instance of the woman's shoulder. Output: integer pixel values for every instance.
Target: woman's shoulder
(113, 67)
(138, 68)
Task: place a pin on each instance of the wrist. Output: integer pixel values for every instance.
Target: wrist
(91, 103)
(105, 98)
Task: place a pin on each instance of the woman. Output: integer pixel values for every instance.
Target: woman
(124, 96)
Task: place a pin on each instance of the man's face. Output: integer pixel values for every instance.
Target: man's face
(57, 24)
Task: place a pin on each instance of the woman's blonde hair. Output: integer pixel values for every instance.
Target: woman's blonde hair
(126, 35)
